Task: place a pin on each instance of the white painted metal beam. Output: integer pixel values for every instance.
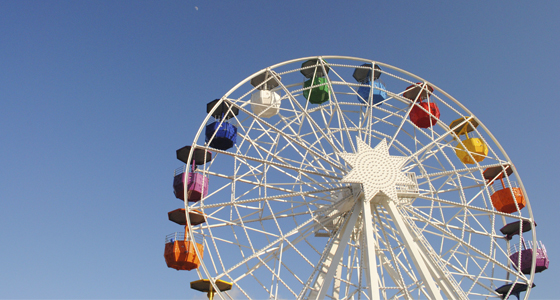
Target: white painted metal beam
(369, 250)
(439, 272)
(413, 249)
(328, 269)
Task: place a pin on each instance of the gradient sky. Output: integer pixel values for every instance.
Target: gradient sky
(96, 96)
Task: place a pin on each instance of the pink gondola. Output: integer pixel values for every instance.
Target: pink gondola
(197, 185)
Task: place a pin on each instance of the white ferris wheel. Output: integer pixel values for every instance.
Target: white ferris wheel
(336, 177)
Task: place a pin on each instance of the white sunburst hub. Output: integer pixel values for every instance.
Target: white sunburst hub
(376, 170)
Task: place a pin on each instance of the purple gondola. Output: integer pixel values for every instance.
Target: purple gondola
(526, 251)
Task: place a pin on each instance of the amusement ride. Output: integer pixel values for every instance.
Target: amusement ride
(335, 177)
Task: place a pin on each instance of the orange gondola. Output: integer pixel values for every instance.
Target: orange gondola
(180, 251)
(509, 198)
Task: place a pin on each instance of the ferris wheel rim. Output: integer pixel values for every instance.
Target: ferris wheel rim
(224, 98)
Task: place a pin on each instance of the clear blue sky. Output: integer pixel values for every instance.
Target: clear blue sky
(96, 96)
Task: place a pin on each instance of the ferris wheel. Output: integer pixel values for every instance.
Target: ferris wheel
(344, 178)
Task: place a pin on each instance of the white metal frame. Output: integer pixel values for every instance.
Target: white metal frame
(281, 183)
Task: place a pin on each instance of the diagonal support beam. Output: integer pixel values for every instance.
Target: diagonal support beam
(397, 279)
(329, 267)
(439, 272)
(369, 248)
(413, 250)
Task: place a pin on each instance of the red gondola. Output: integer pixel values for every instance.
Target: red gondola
(423, 114)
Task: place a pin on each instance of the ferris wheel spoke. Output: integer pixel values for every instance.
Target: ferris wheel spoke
(468, 246)
(278, 215)
(302, 136)
(286, 213)
(485, 210)
(437, 175)
(431, 151)
(304, 227)
(272, 255)
(266, 248)
(346, 115)
(339, 127)
(342, 118)
(260, 149)
(276, 277)
(415, 214)
(282, 160)
(228, 241)
(434, 143)
(260, 199)
(328, 134)
(313, 124)
(279, 165)
(476, 282)
(310, 181)
(478, 276)
(272, 186)
(289, 138)
(244, 226)
(288, 122)
(399, 128)
(258, 140)
(378, 134)
(459, 188)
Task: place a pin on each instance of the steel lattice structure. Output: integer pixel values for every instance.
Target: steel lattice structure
(285, 218)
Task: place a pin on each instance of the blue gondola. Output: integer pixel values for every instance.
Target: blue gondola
(221, 134)
(363, 75)
(226, 135)
(379, 92)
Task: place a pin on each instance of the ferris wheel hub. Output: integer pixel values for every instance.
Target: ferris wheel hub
(378, 172)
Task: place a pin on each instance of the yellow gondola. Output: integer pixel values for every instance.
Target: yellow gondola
(471, 150)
